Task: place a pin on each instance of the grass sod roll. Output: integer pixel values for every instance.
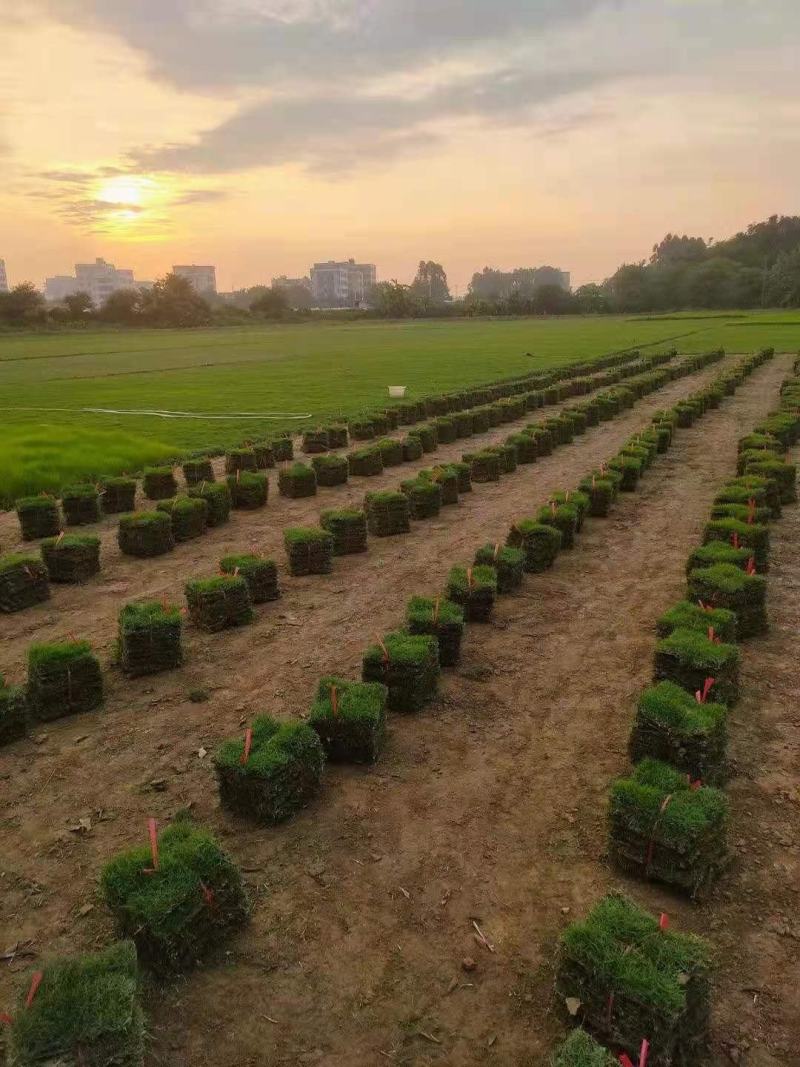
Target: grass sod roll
(718, 552)
(119, 495)
(392, 422)
(412, 448)
(366, 462)
(180, 908)
(196, 471)
(297, 481)
(446, 429)
(39, 516)
(86, 1011)
(601, 493)
(508, 457)
(475, 589)
(279, 775)
(380, 423)
(755, 483)
(408, 665)
(315, 441)
(149, 638)
(23, 582)
(428, 436)
(463, 475)
(348, 526)
(388, 513)
(188, 514)
(349, 719)
(691, 615)
(760, 441)
(480, 420)
(464, 425)
(424, 497)
(265, 455)
(524, 446)
(540, 542)
(219, 602)
(485, 466)
(564, 518)
(71, 558)
(240, 459)
(331, 470)
(663, 434)
(446, 478)
(672, 726)
(362, 429)
(64, 678)
(762, 516)
(573, 498)
(785, 474)
(581, 1050)
(13, 712)
(630, 467)
(440, 618)
(757, 455)
(657, 982)
(542, 438)
(752, 536)
(261, 575)
(158, 483)
(508, 564)
(218, 497)
(726, 586)
(249, 489)
(692, 660)
(309, 550)
(391, 451)
(282, 448)
(338, 436)
(760, 495)
(145, 534)
(81, 505)
(665, 829)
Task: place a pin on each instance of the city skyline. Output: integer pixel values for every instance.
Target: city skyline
(254, 133)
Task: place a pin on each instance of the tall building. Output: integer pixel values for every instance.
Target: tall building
(3, 277)
(341, 284)
(203, 279)
(99, 279)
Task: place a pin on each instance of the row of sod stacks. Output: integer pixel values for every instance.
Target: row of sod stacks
(71, 558)
(219, 602)
(665, 828)
(23, 582)
(331, 470)
(249, 489)
(439, 618)
(199, 470)
(348, 527)
(64, 678)
(260, 575)
(350, 719)
(188, 515)
(309, 549)
(388, 513)
(408, 665)
(159, 483)
(631, 978)
(240, 459)
(145, 534)
(13, 712)
(272, 772)
(217, 496)
(423, 496)
(149, 638)
(297, 481)
(475, 589)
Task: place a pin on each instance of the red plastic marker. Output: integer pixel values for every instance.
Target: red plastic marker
(384, 649)
(334, 701)
(496, 549)
(702, 697)
(751, 511)
(248, 741)
(6, 1019)
(751, 566)
(469, 577)
(625, 1060)
(36, 981)
(663, 921)
(735, 539)
(152, 828)
(208, 895)
(643, 1054)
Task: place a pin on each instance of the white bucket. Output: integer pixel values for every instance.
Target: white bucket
(397, 391)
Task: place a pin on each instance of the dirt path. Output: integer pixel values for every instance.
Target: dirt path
(488, 806)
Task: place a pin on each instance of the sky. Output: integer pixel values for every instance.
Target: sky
(262, 135)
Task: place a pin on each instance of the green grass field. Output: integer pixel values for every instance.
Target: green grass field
(323, 369)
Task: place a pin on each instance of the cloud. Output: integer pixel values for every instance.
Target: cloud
(200, 196)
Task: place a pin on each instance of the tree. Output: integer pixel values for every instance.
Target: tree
(629, 288)
(783, 280)
(712, 284)
(272, 304)
(79, 306)
(123, 308)
(762, 242)
(173, 302)
(675, 249)
(591, 299)
(551, 300)
(22, 306)
(430, 284)
(393, 300)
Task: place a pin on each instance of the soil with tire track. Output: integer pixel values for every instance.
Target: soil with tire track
(488, 807)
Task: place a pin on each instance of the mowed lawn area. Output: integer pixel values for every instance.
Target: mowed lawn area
(47, 440)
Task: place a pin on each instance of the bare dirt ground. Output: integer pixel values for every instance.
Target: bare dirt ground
(489, 806)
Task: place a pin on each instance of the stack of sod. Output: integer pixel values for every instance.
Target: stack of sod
(86, 1011)
(485, 466)
(392, 418)
(412, 449)
(310, 550)
(180, 907)
(145, 533)
(726, 586)
(188, 514)
(601, 493)
(440, 618)
(540, 542)
(282, 448)
(217, 496)
(219, 602)
(667, 830)
(630, 468)
(447, 480)
(542, 438)
(380, 423)
(196, 471)
(265, 455)
(81, 505)
(424, 497)
(409, 413)
(261, 575)
(240, 459)
(757, 485)
(278, 776)
(632, 978)
(718, 552)
(149, 638)
(686, 615)
(337, 435)
(562, 517)
(350, 719)
(387, 513)
(428, 436)
(581, 1050)
(249, 489)
(362, 429)
(315, 441)
(691, 659)
(508, 563)
(463, 474)
(13, 712)
(475, 588)
(159, 483)
(561, 428)
(71, 558)
(524, 447)
(752, 536)
(391, 451)
(463, 422)
(23, 582)
(408, 665)
(64, 678)
(507, 455)
(297, 481)
(480, 420)
(38, 517)
(331, 470)
(119, 495)
(576, 499)
(366, 461)
(673, 726)
(348, 526)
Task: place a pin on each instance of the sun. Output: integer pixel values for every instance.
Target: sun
(126, 191)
